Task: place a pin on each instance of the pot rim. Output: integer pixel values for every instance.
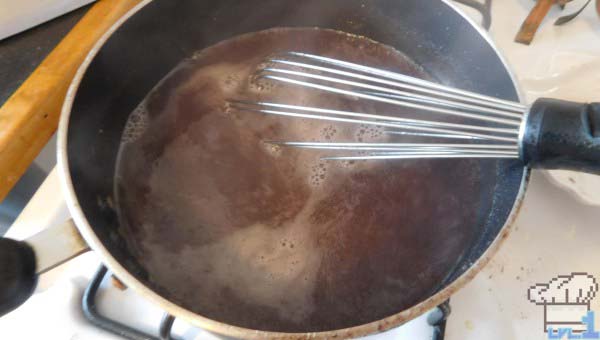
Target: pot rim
(197, 320)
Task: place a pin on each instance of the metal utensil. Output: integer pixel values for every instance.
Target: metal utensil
(490, 128)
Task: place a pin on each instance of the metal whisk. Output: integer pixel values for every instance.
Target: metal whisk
(493, 130)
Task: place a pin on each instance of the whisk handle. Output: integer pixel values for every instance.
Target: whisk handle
(563, 135)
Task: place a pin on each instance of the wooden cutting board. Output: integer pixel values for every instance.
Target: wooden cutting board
(30, 116)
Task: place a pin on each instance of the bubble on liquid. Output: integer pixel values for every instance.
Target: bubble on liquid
(231, 81)
(360, 131)
(329, 132)
(366, 133)
(376, 132)
(261, 85)
(347, 164)
(287, 243)
(136, 125)
(227, 109)
(273, 149)
(318, 173)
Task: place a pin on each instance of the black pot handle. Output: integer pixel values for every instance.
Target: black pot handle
(22, 262)
(17, 274)
(563, 135)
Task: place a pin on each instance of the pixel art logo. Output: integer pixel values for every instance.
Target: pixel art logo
(566, 300)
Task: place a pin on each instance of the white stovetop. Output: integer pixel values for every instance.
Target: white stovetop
(554, 234)
(19, 15)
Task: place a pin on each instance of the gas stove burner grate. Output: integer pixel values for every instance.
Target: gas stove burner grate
(437, 319)
(92, 314)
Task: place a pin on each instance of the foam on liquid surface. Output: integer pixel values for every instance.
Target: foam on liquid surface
(272, 238)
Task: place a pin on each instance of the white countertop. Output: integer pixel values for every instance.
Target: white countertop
(19, 15)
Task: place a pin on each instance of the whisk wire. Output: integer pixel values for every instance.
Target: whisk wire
(493, 131)
(456, 103)
(414, 156)
(385, 118)
(428, 108)
(407, 148)
(260, 107)
(410, 80)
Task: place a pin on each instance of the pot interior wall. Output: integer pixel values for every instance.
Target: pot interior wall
(151, 43)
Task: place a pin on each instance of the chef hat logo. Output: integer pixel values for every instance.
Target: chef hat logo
(574, 289)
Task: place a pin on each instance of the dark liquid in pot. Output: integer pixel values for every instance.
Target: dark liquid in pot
(275, 239)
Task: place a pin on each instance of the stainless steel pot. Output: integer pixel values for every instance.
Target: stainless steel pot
(154, 37)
